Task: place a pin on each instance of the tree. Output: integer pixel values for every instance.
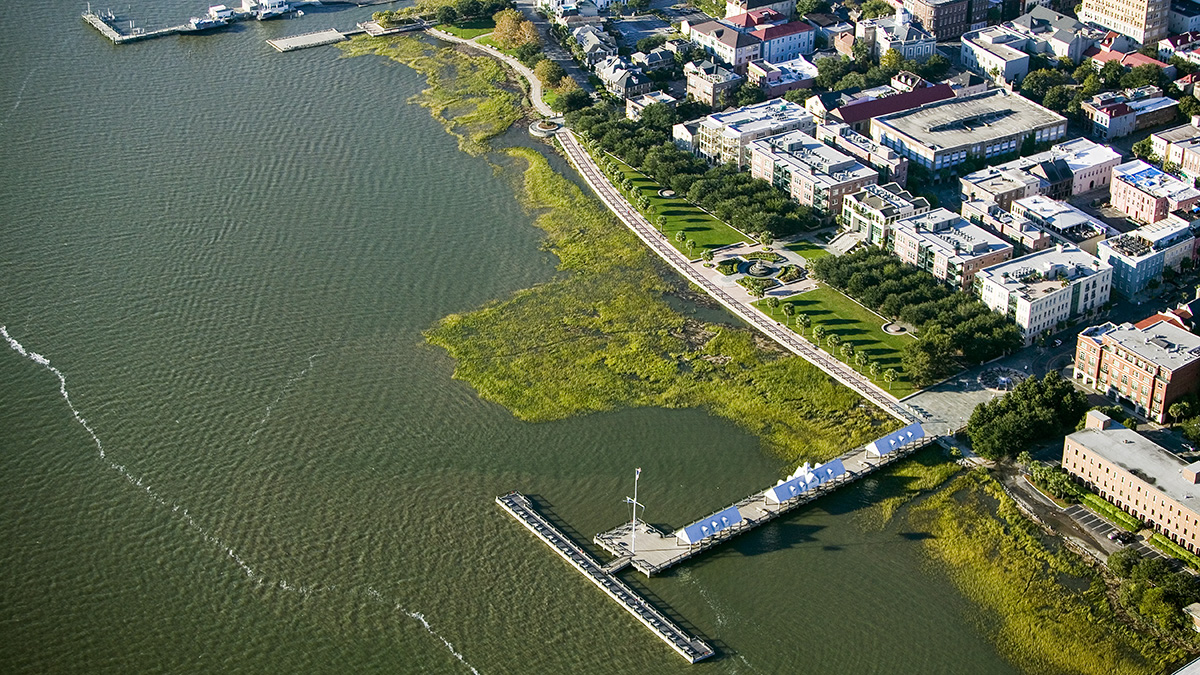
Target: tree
(765, 238)
(511, 31)
(872, 9)
(789, 310)
(549, 72)
(1143, 148)
(818, 333)
(875, 370)
(847, 350)
(1141, 76)
(861, 360)
(773, 303)
(1189, 105)
(659, 116)
(1110, 74)
(1035, 410)
(833, 340)
(1091, 85)
(890, 376)
(1057, 98)
(660, 222)
(446, 14)
(707, 256)
(749, 94)
(851, 81)
(830, 70)
(681, 236)
(891, 61)
(1081, 73)
(648, 44)
(799, 95)
(1124, 561)
(804, 321)
(1036, 84)
(1178, 411)
(1024, 459)
(690, 245)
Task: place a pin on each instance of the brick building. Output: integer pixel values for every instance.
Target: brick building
(1148, 368)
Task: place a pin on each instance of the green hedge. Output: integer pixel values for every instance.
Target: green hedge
(1117, 516)
(1175, 550)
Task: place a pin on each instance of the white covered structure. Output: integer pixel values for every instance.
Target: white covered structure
(803, 480)
(895, 440)
(706, 527)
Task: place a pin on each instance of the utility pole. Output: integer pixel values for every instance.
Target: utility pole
(637, 473)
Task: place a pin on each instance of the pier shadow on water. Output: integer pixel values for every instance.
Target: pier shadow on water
(638, 583)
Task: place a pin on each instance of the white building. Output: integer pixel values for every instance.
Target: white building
(723, 137)
(724, 42)
(996, 53)
(813, 173)
(875, 208)
(1039, 290)
(1064, 223)
(896, 32)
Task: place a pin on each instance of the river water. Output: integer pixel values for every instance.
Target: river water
(252, 462)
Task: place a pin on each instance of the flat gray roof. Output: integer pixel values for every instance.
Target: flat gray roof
(1141, 456)
(971, 120)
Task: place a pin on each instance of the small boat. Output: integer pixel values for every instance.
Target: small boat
(203, 24)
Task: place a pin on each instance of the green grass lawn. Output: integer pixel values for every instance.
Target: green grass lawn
(470, 30)
(854, 324)
(549, 96)
(682, 215)
(809, 250)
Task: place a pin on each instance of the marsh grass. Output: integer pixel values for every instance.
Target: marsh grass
(1001, 561)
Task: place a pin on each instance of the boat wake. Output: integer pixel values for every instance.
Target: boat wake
(135, 481)
(208, 537)
(417, 616)
(287, 389)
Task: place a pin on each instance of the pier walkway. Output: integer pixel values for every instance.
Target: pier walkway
(518, 506)
(656, 551)
(110, 31)
(645, 231)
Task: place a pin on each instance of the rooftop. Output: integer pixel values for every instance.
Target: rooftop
(1044, 23)
(951, 234)
(1179, 134)
(889, 199)
(806, 155)
(1037, 274)
(970, 120)
(866, 109)
(1154, 182)
(724, 34)
(1060, 217)
(756, 118)
(1001, 43)
(1141, 456)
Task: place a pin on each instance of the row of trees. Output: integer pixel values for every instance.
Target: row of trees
(1035, 410)
(952, 327)
(513, 30)
(445, 11)
(751, 205)
(837, 73)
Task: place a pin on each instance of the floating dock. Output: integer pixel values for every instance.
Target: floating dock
(306, 40)
(518, 506)
(656, 551)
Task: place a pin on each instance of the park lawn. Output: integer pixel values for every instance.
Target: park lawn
(856, 325)
(492, 43)
(681, 215)
(809, 250)
(549, 96)
(469, 30)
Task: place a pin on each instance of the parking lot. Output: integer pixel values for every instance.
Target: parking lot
(1100, 528)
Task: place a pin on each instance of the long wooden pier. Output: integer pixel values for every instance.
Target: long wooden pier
(518, 506)
(655, 551)
(106, 28)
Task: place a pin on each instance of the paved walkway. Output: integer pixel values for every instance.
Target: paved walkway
(535, 85)
(694, 273)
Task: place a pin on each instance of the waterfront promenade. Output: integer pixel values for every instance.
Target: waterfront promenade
(694, 272)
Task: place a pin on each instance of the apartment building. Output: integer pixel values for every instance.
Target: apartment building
(1148, 368)
(1139, 257)
(875, 208)
(995, 53)
(811, 172)
(776, 79)
(1180, 146)
(1138, 476)
(944, 134)
(1144, 21)
(947, 246)
(1115, 115)
(735, 7)
(1022, 233)
(724, 42)
(1041, 289)
(1147, 194)
(724, 137)
(709, 83)
(948, 19)
(1069, 168)
(891, 166)
(1063, 223)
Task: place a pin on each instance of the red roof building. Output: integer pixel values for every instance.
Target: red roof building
(859, 113)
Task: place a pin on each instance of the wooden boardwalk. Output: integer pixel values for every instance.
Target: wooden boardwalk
(109, 31)
(656, 551)
(305, 40)
(518, 506)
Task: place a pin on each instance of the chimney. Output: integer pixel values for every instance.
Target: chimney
(1097, 420)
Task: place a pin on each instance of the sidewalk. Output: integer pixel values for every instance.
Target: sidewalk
(734, 302)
